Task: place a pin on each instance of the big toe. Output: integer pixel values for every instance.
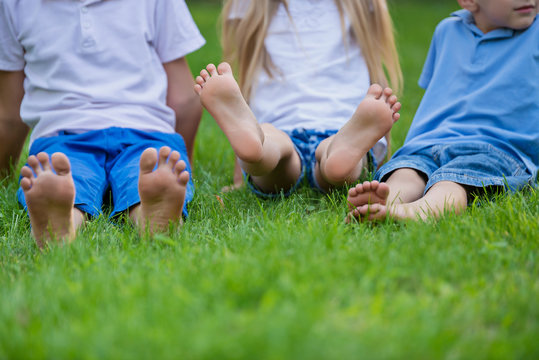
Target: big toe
(382, 190)
(375, 90)
(148, 159)
(60, 163)
(224, 68)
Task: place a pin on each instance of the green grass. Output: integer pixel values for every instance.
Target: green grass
(253, 279)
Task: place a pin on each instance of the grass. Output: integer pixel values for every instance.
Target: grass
(253, 279)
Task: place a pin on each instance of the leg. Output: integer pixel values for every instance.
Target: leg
(341, 157)
(162, 192)
(50, 197)
(237, 180)
(263, 151)
(12, 130)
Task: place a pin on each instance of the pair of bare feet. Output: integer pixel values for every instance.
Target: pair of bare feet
(339, 156)
(402, 197)
(50, 193)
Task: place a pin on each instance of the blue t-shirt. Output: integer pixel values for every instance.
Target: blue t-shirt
(480, 88)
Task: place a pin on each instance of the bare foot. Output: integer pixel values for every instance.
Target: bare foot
(221, 96)
(49, 197)
(372, 119)
(162, 192)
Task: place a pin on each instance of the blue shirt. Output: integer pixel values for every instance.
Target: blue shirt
(480, 88)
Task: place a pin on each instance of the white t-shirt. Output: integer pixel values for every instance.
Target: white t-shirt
(94, 64)
(321, 79)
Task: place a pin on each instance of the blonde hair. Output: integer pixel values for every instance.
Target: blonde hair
(243, 39)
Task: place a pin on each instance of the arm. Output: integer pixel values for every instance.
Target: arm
(12, 130)
(183, 100)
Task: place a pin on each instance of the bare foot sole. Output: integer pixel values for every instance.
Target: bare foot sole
(49, 196)
(162, 191)
(372, 119)
(221, 96)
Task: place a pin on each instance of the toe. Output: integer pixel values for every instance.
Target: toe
(60, 163)
(33, 163)
(212, 69)
(27, 172)
(164, 152)
(392, 100)
(148, 160)
(43, 159)
(179, 167)
(388, 92)
(366, 209)
(224, 68)
(383, 191)
(367, 186)
(204, 75)
(375, 90)
(26, 184)
(198, 89)
(173, 159)
(183, 178)
(200, 80)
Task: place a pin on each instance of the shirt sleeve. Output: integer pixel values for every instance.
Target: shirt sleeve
(176, 33)
(428, 66)
(12, 52)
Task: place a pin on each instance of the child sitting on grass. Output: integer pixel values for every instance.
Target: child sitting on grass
(477, 126)
(106, 84)
(305, 105)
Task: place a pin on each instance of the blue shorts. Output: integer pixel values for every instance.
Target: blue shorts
(477, 165)
(108, 159)
(305, 142)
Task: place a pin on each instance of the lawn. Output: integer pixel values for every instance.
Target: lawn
(285, 279)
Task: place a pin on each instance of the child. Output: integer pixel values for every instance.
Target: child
(96, 96)
(477, 126)
(303, 68)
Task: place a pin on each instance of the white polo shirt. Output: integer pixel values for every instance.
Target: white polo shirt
(321, 77)
(93, 64)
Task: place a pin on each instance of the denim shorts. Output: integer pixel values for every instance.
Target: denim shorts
(108, 159)
(472, 164)
(305, 142)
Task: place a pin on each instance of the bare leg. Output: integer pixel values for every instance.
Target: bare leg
(50, 198)
(342, 156)
(162, 192)
(374, 201)
(237, 180)
(263, 151)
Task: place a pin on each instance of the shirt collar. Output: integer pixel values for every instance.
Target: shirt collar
(468, 21)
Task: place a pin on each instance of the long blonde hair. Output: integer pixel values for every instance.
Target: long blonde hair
(243, 39)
